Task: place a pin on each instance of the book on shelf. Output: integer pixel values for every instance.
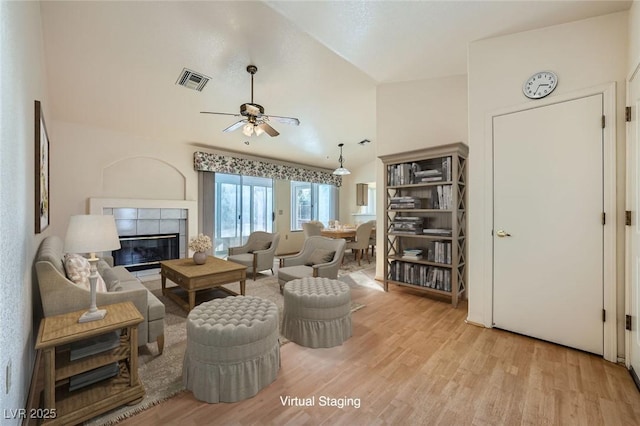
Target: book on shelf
(437, 231)
(439, 252)
(409, 257)
(407, 219)
(420, 275)
(431, 179)
(405, 225)
(412, 254)
(405, 203)
(412, 251)
(427, 173)
(400, 174)
(446, 168)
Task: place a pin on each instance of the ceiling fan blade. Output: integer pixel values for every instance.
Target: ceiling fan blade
(268, 129)
(284, 120)
(220, 113)
(235, 126)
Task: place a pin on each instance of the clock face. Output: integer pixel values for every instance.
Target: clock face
(540, 85)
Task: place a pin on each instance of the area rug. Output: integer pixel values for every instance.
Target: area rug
(161, 375)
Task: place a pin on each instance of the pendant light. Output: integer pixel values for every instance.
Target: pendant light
(341, 171)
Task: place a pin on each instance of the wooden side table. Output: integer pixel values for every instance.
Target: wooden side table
(57, 332)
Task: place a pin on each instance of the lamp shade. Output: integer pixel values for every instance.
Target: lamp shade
(341, 171)
(91, 234)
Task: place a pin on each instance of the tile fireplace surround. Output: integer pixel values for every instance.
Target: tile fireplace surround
(140, 217)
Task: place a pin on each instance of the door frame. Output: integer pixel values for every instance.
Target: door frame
(635, 73)
(608, 92)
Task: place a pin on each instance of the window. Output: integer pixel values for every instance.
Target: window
(371, 205)
(243, 204)
(312, 201)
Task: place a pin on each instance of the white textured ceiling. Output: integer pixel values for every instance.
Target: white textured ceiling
(115, 64)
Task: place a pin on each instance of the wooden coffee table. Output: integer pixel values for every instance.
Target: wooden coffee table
(191, 278)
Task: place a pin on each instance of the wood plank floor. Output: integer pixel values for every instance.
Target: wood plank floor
(413, 361)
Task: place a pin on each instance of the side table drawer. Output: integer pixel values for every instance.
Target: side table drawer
(172, 275)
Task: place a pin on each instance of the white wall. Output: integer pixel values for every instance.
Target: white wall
(22, 80)
(634, 36)
(84, 157)
(363, 174)
(413, 115)
(584, 54)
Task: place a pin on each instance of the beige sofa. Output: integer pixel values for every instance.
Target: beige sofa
(60, 295)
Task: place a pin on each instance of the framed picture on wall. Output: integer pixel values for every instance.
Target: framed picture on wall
(42, 206)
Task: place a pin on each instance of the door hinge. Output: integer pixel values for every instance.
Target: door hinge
(627, 322)
(627, 217)
(627, 114)
(603, 121)
(604, 316)
(604, 218)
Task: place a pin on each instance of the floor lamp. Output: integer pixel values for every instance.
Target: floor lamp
(92, 234)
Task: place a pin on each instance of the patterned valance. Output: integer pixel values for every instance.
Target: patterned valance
(206, 162)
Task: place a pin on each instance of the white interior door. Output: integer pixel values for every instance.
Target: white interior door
(633, 257)
(548, 204)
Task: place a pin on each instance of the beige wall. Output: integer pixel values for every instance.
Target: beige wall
(363, 174)
(413, 115)
(22, 76)
(584, 54)
(85, 164)
(84, 160)
(634, 36)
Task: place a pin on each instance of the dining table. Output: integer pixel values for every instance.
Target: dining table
(348, 233)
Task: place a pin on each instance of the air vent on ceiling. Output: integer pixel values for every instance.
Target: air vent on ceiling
(192, 80)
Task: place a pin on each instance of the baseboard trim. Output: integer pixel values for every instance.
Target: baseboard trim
(635, 378)
(477, 324)
(33, 399)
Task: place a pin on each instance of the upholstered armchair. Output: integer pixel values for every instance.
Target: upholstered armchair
(312, 228)
(361, 243)
(257, 253)
(319, 257)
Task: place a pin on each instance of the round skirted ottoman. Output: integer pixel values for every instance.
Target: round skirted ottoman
(232, 348)
(317, 312)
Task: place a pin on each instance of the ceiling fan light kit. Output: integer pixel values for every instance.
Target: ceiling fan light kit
(341, 171)
(255, 122)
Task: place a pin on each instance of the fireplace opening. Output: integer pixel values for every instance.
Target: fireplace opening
(140, 252)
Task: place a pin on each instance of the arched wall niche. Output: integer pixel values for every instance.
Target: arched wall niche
(143, 178)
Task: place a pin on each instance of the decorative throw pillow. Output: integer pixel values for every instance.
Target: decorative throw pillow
(259, 245)
(319, 256)
(78, 270)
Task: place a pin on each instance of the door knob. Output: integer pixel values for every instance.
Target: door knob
(502, 234)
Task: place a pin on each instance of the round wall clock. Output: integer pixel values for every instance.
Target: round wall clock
(540, 84)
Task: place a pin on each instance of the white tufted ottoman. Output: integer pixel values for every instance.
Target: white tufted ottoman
(232, 348)
(317, 312)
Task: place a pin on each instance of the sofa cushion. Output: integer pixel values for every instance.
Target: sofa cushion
(78, 269)
(155, 307)
(110, 279)
(319, 256)
(294, 272)
(242, 258)
(125, 276)
(259, 245)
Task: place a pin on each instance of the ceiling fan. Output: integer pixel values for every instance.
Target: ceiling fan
(255, 121)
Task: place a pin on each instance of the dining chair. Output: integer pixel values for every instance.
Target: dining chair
(361, 244)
